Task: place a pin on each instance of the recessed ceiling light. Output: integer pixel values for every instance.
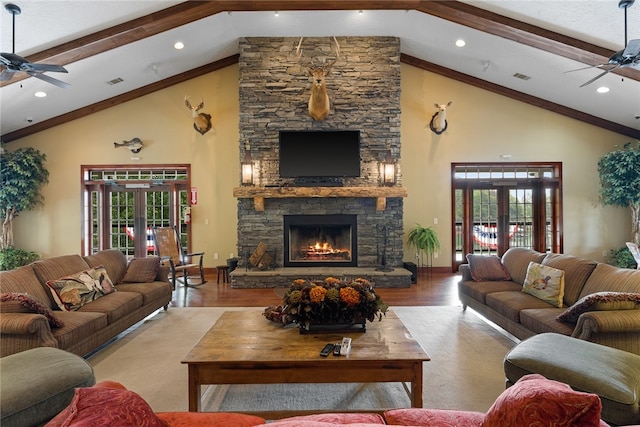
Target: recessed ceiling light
(602, 89)
(40, 94)
(460, 43)
(178, 45)
(276, 13)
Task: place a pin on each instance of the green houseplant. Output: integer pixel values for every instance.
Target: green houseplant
(11, 258)
(22, 174)
(425, 241)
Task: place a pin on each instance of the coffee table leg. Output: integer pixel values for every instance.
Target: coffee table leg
(416, 386)
(194, 389)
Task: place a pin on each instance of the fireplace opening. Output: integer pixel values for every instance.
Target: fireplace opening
(320, 240)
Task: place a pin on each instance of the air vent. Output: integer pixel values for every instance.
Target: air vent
(521, 76)
(115, 81)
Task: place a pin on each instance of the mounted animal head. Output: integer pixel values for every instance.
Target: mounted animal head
(319, 99)
(438, 123)
(201, 121)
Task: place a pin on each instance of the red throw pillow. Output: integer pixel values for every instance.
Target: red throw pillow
(25, 303)
(113, 407)
(536, 400)
(433, 417)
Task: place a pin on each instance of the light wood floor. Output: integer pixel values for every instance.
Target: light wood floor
(439, 289)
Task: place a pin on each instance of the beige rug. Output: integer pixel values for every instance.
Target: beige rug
(465, 371)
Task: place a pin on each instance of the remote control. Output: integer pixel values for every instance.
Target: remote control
(327, 350)
(336, 349)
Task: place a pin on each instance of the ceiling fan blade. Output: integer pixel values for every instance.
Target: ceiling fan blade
(44, 67)
(586, 68)
(6, 75)
(632, 48)
(598, 76)
(48, 79)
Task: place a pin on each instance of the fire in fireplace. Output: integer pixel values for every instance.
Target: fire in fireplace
(320, 240)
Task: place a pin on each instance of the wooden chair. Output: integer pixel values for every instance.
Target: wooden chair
(170, 250)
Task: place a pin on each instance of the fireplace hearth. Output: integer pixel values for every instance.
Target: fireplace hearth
(320, 240)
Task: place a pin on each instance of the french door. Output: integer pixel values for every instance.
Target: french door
(498, 206)
(121, 210)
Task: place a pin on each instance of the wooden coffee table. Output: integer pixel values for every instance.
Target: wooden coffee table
(245, 348)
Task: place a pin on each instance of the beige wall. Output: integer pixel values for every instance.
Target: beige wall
(482, 126)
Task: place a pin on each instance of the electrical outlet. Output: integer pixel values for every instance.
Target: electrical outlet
(231, 255)
(435, 255)
(417, 255)
(215, 255)
(435, 220)
(605, 253)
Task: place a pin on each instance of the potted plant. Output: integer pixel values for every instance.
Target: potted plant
(425, 240)
(619, 172)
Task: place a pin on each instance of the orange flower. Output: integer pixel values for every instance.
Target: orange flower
(317, 294)
(350, 296)
(332, 280)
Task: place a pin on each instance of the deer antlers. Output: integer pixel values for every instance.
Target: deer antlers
(319, 99)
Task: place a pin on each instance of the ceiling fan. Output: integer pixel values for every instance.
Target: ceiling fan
(10, 63)
(628, 57)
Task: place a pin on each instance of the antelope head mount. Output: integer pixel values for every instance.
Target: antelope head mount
(319, 99)
(438, 123)
(201, 121)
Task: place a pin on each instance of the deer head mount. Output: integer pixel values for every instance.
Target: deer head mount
(438, 123)
(319, 99)
(201, 121)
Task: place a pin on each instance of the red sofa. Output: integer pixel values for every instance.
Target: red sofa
(533, 400)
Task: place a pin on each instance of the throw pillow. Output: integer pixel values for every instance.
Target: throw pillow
(601, 301)
(142, 270)
(13, 302)
(106, 407)
(535, 400)
(72, 292)
(546, 283)
(487, 268)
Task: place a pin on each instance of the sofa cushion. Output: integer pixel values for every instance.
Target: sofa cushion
(479, 290)
(311, 423)
(511, 303)
(606, 277)
(142, 270)
(546, 283)
(540, 320)
(73, 291)
(116, 305)
(576, 272)
(340, 418)
(535, 400)
(601, 301)
(517, 260)
(101, 406)
(60, 266)
(77, 327)
(487, 268)
(13, 302)
(433, 417)
(209, 419)
(113, 260)
(24, 279)
(150, 291)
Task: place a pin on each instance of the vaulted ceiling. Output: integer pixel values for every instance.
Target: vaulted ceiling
(506, 42)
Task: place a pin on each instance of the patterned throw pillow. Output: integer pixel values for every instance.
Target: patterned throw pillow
(76, 290)
(487, 268)
(537, 401)
(601, 301)
(13, 302)
(545, 283)
(142, 270)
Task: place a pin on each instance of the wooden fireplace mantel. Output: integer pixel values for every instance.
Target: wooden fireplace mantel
(259, 193)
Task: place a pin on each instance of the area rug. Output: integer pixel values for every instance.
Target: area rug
(465, 371)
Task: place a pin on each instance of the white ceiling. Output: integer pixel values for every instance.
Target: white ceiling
(44, 24)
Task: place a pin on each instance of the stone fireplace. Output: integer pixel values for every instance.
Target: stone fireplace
(364, 91)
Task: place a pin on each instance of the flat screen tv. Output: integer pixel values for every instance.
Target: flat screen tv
(331, 154)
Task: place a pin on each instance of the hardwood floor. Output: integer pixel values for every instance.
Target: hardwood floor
(440, 289)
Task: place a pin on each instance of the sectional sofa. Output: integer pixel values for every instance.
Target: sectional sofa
(78, 303)
(599, 302)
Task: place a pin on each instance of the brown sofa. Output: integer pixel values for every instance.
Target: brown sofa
(523, 315)
(92, 324)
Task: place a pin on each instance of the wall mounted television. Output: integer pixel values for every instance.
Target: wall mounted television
(331, 154)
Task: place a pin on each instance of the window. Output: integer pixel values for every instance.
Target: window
(121, 205)
(501, 205)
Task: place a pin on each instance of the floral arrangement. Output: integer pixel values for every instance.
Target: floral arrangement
(328, 301)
